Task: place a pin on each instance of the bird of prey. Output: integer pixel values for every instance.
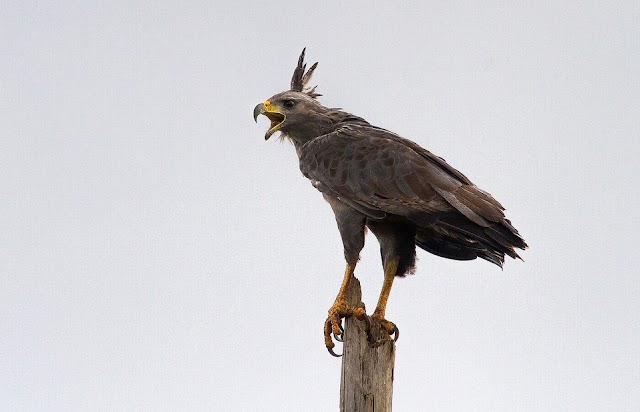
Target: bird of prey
(373, 178)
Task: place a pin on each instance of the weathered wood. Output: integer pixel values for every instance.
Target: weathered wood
(366, 383)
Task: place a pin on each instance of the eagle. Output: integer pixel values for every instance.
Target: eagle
(377, 180)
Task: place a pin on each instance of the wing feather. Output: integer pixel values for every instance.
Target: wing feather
(379, 169)
(383, 173)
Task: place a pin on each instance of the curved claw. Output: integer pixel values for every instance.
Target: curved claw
(333, 353)
(327, 338)
(395, 333)
(333, 324)
(389, 327)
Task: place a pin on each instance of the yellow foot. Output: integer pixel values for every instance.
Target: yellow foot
(390, 327)
(333, 324)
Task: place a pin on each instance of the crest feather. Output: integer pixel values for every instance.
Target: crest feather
(300, 79)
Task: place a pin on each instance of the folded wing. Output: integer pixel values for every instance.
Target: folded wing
(381, 174)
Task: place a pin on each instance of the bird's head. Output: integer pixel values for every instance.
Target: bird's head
(296, 113)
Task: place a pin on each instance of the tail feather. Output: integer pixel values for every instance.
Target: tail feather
(453, 236)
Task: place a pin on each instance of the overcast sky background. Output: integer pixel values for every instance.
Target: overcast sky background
(157, 254)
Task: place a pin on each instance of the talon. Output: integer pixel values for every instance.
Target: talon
(333, 353)
(328, 326)
(391, 329)
(336, 324)
(339, 336)
(333, 325)
(388, 326)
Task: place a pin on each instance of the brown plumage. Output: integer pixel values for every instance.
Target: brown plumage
(403, 193)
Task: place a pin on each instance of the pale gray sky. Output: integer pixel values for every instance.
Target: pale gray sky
(157, 254)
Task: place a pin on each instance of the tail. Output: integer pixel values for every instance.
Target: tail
(454, 236)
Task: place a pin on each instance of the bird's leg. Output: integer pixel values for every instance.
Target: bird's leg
(378, 315)
(341, 309)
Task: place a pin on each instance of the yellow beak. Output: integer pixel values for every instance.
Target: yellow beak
(273, 113)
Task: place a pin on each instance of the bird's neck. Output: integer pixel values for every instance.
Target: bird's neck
(324, 123)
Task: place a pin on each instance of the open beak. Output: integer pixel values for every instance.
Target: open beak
(271, 111)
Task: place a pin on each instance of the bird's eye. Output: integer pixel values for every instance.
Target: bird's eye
(289, 104)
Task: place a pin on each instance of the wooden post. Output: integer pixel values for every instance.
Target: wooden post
(366, 383)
